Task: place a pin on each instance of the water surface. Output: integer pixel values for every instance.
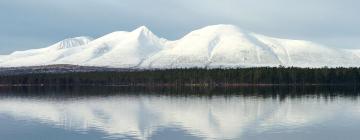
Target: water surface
(162, 114)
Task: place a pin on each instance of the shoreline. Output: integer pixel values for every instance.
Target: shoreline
(174, 85)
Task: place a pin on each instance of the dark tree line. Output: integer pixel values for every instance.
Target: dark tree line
(265, 75)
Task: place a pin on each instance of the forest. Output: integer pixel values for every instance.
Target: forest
(193, 77)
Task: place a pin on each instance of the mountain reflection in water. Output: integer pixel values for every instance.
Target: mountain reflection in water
(217, 114)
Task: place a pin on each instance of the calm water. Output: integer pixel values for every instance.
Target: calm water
(163, 114)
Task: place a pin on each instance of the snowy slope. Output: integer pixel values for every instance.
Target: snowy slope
(213, 46)
(309, 54)
(117, 49)
(43, 56)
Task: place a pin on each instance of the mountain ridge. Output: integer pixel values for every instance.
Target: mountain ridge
(216, 46)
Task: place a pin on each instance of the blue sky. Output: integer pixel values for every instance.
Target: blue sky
(26, 24)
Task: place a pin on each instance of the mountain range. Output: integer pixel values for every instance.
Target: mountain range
(216, 46)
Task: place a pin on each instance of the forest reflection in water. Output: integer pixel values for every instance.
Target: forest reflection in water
(312, 112)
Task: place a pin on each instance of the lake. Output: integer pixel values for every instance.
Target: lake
(248, 113)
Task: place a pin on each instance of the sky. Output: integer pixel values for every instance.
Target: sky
(28, 24)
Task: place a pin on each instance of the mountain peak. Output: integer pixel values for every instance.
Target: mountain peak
(215, 30)
(223, 26)
(143, 33)
(143, 29)
(71, 42)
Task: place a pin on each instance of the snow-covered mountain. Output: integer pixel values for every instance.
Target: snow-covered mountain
(212, 47)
